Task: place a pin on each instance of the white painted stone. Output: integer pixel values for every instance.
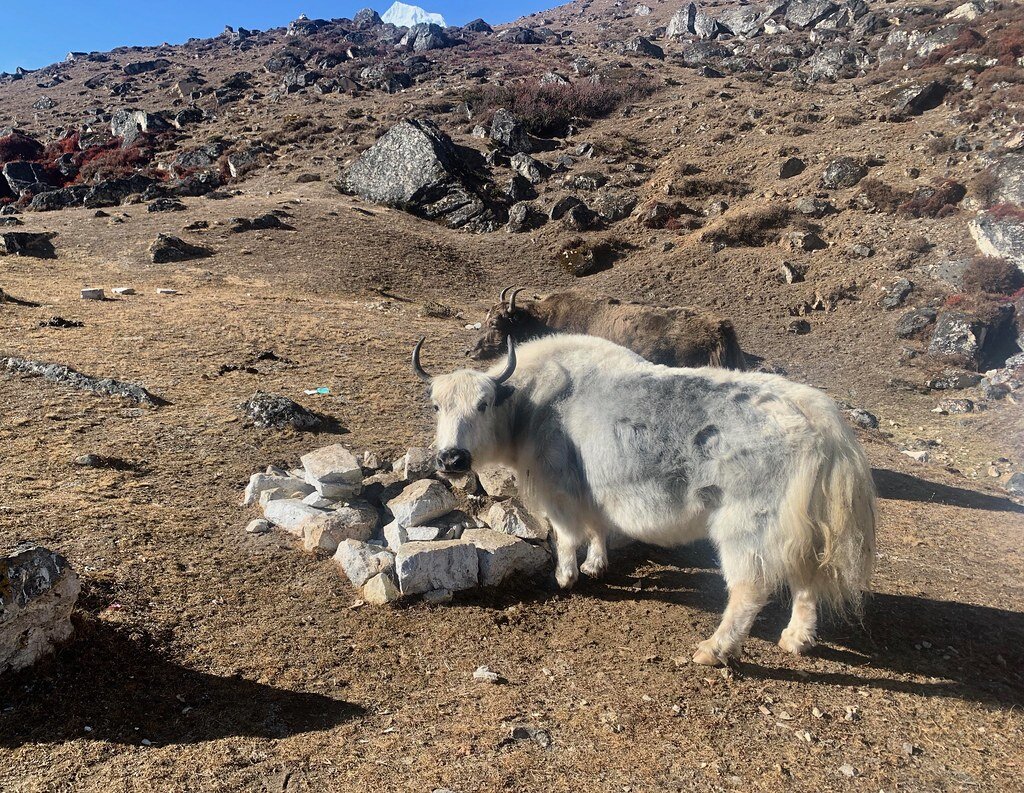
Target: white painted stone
(425, 566)
(421, 502)
(497, 481)
(290, 514)
(381, 589)
(92, 294)
(259, 483)
(333, 471)
(511, 517)
(501, 556)
(122, 291)
(361, 561)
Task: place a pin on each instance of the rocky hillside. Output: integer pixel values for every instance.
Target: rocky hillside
(803, 157)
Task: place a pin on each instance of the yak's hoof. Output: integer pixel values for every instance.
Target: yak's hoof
(566, 579)
(593, 569)
(796, 641)
(708, 654)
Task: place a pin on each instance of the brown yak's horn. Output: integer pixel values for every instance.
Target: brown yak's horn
(512, 299)
(416, 367)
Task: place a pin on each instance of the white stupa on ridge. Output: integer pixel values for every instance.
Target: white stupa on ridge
(405, 16)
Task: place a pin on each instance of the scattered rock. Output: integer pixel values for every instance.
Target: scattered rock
(286, 487)
(274, 411)
(897, 294)
(914, 99)
(168, 248)
(794, 166)
(863, 418)
(497, 481)
(1015, 484)
(954, 406)
(28, 243)
(361, 561)
(843, 172)
(483, 674)
(509, 132)
(65, 375)
(290, 514)
(258, 526)
(999, 237)
(38, 591)
(914, 322)
(381, 589)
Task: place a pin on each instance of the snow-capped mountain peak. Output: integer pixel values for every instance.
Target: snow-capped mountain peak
(405, 16)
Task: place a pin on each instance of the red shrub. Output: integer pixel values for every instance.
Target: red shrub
(940, 200)
(19, 147)
(954, 301)
(967, 40)
(985, 274)
(1007, 212)
(58, 148)
(111, 162)
(1007, 45)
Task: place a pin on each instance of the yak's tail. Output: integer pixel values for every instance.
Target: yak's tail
(727, 353)
(828, 515)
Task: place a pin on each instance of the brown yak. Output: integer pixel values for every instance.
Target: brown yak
(673, 336)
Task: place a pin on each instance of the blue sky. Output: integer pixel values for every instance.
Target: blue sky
(35, 34)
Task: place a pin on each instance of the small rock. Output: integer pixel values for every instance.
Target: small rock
(1015, 484)
(794, 166)
(421, 502)
(333, 471)
(381, 589)
(483, 674)
(291, 487)
(897, 294)
(324, 532)
(290, 514)
(843, 172)
(914, 322)
(425, 566)
(501, 556)
(511, 517)
(168, 248)
(418, 463)
(361, 561)
(954, 406)
(258, 526)
(863, 418)
(92, 294)
(848, 771)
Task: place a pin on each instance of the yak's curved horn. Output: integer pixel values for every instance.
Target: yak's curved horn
(510, 363)
(501, 297)
(512, 299)
(417, 369)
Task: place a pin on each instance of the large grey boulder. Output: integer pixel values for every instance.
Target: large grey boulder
(500, 556)
(290, 514)
(27, 176)
(999, 236)
(354, 521)
(509, 132)
(428, 566)
(28, 243)
(512, 518)
(416, 167)
(838, 61)
(808, 13)
(1009, 174)
(132, 125)
(914, 99)
(38, 591)
(425, 36)
(843, 172)
(286, 487)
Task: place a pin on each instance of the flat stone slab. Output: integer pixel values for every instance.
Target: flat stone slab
(426, 566)
(501, 556)
(421, 502)
(357, 521)
(290, 514)
(38, 591)
(289, 487)
(334, 471)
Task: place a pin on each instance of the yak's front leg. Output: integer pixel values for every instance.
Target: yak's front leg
(567, 541)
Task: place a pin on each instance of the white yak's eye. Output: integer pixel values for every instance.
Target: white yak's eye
(482, 406)
(436, 408)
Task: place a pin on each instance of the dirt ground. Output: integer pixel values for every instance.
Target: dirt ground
(208, 659)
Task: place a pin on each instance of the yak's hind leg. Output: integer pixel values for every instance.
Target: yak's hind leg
(748, 593)
(799, 635)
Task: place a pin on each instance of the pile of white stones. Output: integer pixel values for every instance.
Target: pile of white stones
(395, 530)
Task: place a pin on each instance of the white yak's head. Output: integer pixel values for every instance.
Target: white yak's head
(465, 403)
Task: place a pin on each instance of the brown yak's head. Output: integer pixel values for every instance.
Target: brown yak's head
(503, 320)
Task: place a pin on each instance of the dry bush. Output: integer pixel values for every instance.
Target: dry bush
(990, 275)
(917, 243)
(940, 200)
(753, 228)
(984, 186)
(938, 145)
(549, 108)
(883, 197)
(707, 187)
(15, 147)
(989, 78)
(1007, 45)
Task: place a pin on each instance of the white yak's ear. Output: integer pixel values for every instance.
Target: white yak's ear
(503, 392)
